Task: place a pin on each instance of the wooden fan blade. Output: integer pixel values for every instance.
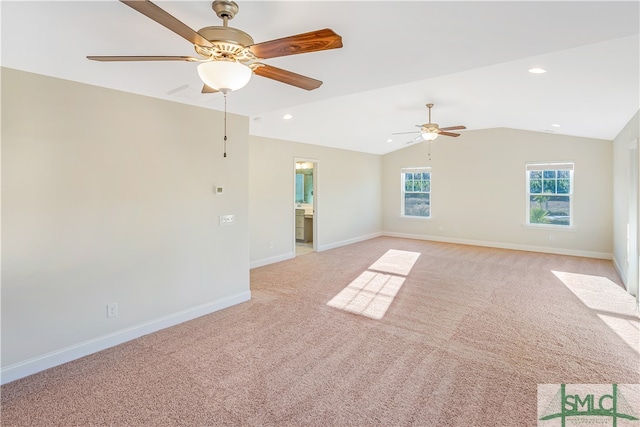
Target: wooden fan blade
(454, 128)
(142, 58)
(404, 133)
(207, 89)
(167, 20)
(287, 77)
(448, 133)
(302, 43)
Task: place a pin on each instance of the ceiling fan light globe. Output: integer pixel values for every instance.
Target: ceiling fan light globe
(429, 136)
(224, 76)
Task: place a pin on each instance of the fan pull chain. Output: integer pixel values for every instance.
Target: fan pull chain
(429, 145)
(225, 124)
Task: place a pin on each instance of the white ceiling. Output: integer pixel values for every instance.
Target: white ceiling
(469, 58)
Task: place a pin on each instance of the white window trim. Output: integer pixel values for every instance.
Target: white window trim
(548, 227)
(402, 193)
(565, 165)
(416, 218)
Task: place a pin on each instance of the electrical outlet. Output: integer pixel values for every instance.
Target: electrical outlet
(227, 219)
(112, 309)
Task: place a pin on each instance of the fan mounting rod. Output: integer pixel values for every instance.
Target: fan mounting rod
(228, 43)
(225, 9)
(429, 107)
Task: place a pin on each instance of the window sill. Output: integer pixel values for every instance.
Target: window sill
(414, 218)
(548, 227)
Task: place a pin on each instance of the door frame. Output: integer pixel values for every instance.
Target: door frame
(315, 200)
(633, 259)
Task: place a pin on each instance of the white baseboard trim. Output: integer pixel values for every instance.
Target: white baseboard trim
(622, 273)
(76, 351)
(543, 249)
(271, 260)
(319, 248)
(348, 241)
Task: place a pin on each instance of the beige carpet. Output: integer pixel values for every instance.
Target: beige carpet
(464, 342)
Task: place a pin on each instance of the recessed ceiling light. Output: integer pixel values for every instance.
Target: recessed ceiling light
(537, 71)
(389, 140)
(555, 125)
(287, 116)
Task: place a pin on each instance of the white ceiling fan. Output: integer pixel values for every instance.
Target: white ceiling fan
(227, 56)
(430, 131)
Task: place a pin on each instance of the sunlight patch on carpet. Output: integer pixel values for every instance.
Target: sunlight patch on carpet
(612, 304)
(371, 293)
(396, 262)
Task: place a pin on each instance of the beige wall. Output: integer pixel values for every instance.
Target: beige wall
(108, 197)
(478, 191)
(348, 197)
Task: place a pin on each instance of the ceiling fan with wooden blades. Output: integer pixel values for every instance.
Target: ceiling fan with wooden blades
(430, 131)
(228, 56)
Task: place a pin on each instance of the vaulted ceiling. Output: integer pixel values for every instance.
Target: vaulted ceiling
(471, 59)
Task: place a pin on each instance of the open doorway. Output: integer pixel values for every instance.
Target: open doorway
(632, 227)
(305, 223)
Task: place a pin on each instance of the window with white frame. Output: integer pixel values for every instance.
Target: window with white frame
(550, 194)
(416, 192)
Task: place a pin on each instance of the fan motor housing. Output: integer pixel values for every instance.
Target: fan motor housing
(227, 43)
(226, 34)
